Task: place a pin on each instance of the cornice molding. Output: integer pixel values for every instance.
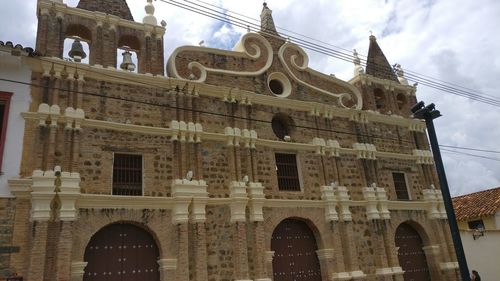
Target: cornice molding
(386, 84)
(228, 94)
(102, 201)
(62, 9)
(194, 133)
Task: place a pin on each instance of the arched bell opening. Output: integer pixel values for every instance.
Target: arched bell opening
(127, 55)
(76, 46)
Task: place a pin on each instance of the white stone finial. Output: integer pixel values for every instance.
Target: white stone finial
(401, 74)
(150, 18)
(358, 69)
(356, 59)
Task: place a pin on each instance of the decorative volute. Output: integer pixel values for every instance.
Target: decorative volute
(266, 20)
(149, 18)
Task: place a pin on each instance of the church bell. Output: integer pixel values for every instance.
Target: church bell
(76, 52)
(127, 63)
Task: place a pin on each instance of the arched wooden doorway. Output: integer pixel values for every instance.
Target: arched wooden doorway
(294, 249)
(121, 252)
(411, 256)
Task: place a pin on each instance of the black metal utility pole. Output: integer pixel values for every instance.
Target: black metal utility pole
(429, 113)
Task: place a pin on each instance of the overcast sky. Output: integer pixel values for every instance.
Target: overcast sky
(451, 40)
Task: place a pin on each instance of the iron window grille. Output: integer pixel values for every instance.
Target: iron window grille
(288, 174)
(127, 174)
(475, 224)
(400, 186)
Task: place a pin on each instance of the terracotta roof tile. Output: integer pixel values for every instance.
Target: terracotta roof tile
(477, 204)
(18, 49)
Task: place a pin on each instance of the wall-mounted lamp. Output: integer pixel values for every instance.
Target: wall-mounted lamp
(478, 231)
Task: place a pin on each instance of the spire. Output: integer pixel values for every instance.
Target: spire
(266, 20)
(150, 14)
(376, 63)
(117, 8)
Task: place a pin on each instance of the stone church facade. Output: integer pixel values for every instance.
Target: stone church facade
(231, 165)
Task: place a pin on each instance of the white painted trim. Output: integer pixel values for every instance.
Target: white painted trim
(125, 77)
(304, 67)
(240, 51)
(62, 9)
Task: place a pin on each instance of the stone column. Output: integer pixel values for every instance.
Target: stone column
(350, 250)
(432, 256)
(182, 270)
(325, 257)
(167, 269)
(238, 219)
(392, 252)
(200, 238)
(38, 249)
(269, 255)
(21, 189)
(184, 192)
(259, 250)
(64, 250)
(383, 270)
(338, 262)
(77, 270)
(240, 251)
(50, 152)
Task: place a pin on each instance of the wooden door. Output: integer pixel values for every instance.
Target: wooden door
(121, 252)
(411, 256)
(294, 249)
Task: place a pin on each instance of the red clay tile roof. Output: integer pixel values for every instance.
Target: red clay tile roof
(477, 204)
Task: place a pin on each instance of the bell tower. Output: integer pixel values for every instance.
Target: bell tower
(107, 27)
(384, 88)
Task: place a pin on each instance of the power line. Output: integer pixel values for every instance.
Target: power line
(468, 148)
(196, 110)
(469, 154)
(413, 76)
(444, 147)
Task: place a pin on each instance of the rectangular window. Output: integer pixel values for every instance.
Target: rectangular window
(4, 116)
(288, 174)
(476, 224)
(127, 174)
(400, 186)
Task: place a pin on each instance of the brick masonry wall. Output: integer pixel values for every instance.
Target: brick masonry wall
(7, 212)
(356, 244)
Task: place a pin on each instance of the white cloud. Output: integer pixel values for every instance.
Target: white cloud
(451, 40)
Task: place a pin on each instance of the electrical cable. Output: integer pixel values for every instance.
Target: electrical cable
(468, 148)
(224, 17)
(444, 147)
(469, 154)
(197, 111)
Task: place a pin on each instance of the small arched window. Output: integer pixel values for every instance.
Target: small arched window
(380, 99)
(401, 100)
(283, 126)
